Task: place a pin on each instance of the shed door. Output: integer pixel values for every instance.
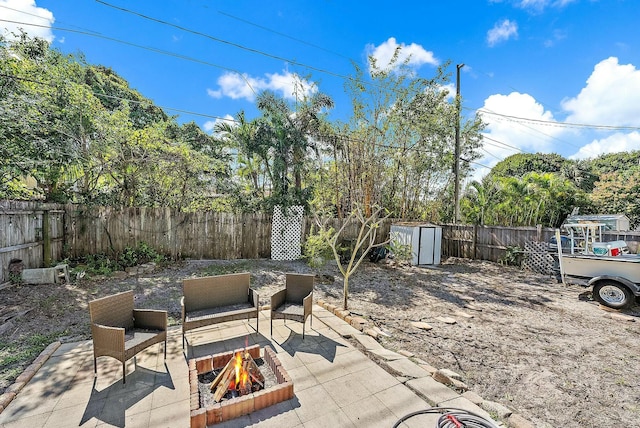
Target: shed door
(429, 246)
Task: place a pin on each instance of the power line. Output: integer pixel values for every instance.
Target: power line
(484, 137)
(561, 124)
(491, 154)
(549, 123)
(236, 45)
(148, 48)
(476, 163)
(283, 35)
(39, 17)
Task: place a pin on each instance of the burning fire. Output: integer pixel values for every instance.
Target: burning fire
(238, 367)
(242, 383)
(238, 377)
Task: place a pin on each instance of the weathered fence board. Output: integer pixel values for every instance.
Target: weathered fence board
(200, 235)
(491, 242)
(82, 230)
(31, 232)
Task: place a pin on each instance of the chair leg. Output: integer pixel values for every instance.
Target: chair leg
(165, 348)
(271, 326)
(124, 374)
(183, 340)
(303, 323)
(95, 365)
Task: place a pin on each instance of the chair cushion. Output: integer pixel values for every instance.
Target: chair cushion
(290, 309)
(135, 340)
(222, 311)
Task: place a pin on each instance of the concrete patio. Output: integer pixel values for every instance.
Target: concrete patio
(335, 384)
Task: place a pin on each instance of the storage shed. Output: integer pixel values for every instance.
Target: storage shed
(425, 241)
(611, 221)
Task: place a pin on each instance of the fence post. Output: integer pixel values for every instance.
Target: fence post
(46, 239)
(539, 232)
(475, 241)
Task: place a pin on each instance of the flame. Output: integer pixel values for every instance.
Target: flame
(245, 379)
(238, 367)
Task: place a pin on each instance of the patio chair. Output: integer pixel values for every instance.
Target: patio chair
(295, 301)
(120, 331)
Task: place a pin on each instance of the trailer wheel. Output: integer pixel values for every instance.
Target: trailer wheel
(613, 294)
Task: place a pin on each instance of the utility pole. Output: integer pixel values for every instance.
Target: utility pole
(456, 165)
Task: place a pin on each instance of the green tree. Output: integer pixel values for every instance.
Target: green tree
(397, 149)
(368, 230)
(47, 117)
(284, 139)
(535, 198)
(618, 193)
(522, 163)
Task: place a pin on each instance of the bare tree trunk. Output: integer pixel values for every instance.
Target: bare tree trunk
(345, 294)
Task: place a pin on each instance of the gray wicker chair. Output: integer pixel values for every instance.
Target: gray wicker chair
(295, 301)
(120, 331)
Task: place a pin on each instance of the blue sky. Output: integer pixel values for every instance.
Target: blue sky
(535, 68)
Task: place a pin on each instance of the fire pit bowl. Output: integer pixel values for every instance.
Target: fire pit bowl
(205, 412)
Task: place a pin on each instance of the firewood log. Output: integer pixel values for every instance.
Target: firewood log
(218, 378)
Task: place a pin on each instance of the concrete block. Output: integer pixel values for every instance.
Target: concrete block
(39, 276)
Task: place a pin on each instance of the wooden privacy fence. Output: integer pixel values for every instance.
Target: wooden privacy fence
(39, 234)
(491, 242)
(199, 235)
(31, 232)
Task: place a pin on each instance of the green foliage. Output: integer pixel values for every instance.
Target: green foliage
(141, 254)
(401, 252)
(103, 264)
(615, 162)
(95, 264)
(15, 355)
(580, 173)
(529, 200)
(512, 256)
(76, 132)
(523, 163)
(15, 278)
(397, 148)
(617, 192)
(316, 247)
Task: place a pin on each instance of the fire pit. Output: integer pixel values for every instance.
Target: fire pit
(231, 384)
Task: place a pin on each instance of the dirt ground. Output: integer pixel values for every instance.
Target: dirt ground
(541, 348)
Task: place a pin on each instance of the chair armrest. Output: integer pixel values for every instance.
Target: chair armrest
(150, 318)
(307, 302)
(254, 299)
(108, 337)
(278, 299)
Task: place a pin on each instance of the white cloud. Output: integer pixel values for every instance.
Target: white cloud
(210, 125)
(537, 6)
(618, 142)
(236, 86)
(506, 136)
(611, 97)
(27, 12)
(417, 54)
(502, 31)
(450, 88)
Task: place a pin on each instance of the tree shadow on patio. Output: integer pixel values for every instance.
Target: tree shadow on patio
(311, 344)
(110, 404)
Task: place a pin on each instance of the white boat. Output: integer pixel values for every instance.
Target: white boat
(589, 266)
(608, 267)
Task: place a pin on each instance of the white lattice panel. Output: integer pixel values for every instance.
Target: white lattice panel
(286, 233)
